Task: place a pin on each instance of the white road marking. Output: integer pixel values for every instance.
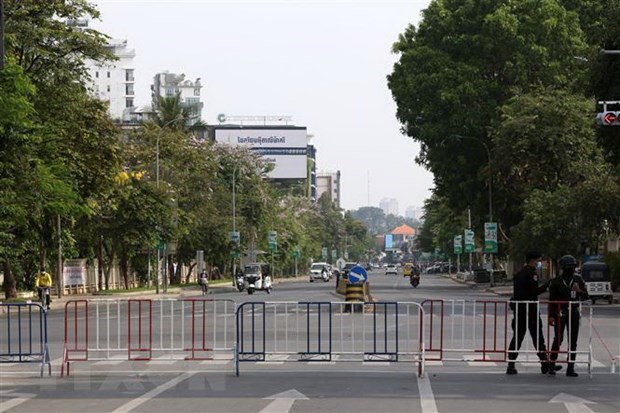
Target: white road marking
(19, 399)
(572, 403)
(156, 391)
(427, 398)
(282, 402)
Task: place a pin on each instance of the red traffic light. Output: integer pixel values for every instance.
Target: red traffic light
(609, 118)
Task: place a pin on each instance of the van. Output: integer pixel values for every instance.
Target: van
(597, 277)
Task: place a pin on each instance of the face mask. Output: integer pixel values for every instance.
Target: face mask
(539, 266)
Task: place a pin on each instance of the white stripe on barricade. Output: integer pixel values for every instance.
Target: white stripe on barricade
(481, 331)
(329, 332)
(144, 329)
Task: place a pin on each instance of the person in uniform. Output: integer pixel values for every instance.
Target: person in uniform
(565, 292)
(527, 315)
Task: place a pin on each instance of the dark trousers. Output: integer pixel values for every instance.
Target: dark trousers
(570, 323)
(47, 296)
(527, 318)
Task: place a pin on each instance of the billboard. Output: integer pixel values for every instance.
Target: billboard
(285, 147)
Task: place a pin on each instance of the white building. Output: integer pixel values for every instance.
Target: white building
(169, 85)
(329, 182)
(389, 206)
(114, 81)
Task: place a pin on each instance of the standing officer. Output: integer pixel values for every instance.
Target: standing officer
(566, 290)
(527, 315)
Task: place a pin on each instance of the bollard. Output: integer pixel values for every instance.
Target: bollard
(354, 292)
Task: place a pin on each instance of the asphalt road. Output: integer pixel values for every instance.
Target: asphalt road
(286, 384)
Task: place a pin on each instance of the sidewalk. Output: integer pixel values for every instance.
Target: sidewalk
(172, 292)
(505, 289)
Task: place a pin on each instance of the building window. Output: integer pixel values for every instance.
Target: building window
(97, 75)
(196, 91)
(170, 91)
(108, 88)
(108, 75)
(129, 75)
(128, 102)
(129, 89)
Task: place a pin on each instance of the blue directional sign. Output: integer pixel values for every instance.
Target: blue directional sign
(357, 274)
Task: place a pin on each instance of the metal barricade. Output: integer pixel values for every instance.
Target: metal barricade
(478, 331)
(148, 329)
(329, 332)
(24, 335)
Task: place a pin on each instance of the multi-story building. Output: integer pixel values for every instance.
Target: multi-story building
(414, 212)
(114, 81)
(389, 206)
(169, 85)
(329, 182)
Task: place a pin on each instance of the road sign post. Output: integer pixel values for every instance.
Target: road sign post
(358, 275)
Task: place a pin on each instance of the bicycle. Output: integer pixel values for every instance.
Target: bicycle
(44, 297)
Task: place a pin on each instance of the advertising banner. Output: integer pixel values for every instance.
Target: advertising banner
(286, 148)
(388, 242)
(469, 240)
(490, 237)
(458, 244)
(74, 272)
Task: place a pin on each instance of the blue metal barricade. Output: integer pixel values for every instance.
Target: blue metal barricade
(23, 328)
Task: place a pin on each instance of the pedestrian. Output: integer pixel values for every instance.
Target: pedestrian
(203, 281)
(565, 293)
(524, 303)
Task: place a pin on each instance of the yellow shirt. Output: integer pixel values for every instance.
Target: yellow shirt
(44, 279)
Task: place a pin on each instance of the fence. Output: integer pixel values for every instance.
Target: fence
(24, 332)
(478, 331)
(329, 331)
(145, 329)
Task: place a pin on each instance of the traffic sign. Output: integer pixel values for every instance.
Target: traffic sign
(324, 252)
(334, 254)
(272, 239)
(235, 236)
(357, 274)
(608, 118)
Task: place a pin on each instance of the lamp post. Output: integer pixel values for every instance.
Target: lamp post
(490, 180)
(159, 134)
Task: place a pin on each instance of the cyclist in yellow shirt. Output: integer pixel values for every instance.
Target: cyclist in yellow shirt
(43, 284)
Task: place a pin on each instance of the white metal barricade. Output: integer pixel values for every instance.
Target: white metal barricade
(144, 329)
(329, 331)
(481, 331)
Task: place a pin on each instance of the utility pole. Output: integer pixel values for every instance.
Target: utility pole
(1, 34)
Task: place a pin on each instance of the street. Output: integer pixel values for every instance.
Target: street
(284, 381)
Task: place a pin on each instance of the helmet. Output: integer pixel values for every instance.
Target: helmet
(568, 261)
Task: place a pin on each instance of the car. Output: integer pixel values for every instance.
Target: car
(344, 273)
(320, 271)
(391, 269)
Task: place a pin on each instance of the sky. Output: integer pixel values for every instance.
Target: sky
(323, 62)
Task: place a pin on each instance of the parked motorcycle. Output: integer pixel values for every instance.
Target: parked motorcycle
(414, 280)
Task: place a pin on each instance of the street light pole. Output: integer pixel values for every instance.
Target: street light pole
(490, 181)
(159, 134)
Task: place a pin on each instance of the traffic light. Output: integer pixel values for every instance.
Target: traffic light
(608, 118)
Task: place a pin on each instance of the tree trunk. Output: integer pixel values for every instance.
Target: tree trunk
(99, 253)
(124, 267)
(10, 290)
(189, 272)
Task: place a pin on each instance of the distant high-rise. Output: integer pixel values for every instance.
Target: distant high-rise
(329, 182)
(389, 206)
(414, 212)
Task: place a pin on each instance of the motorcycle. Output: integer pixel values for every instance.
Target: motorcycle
(239, 282)
(414, 280)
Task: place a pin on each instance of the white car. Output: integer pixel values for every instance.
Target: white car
(391, 269)
(320, 271)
